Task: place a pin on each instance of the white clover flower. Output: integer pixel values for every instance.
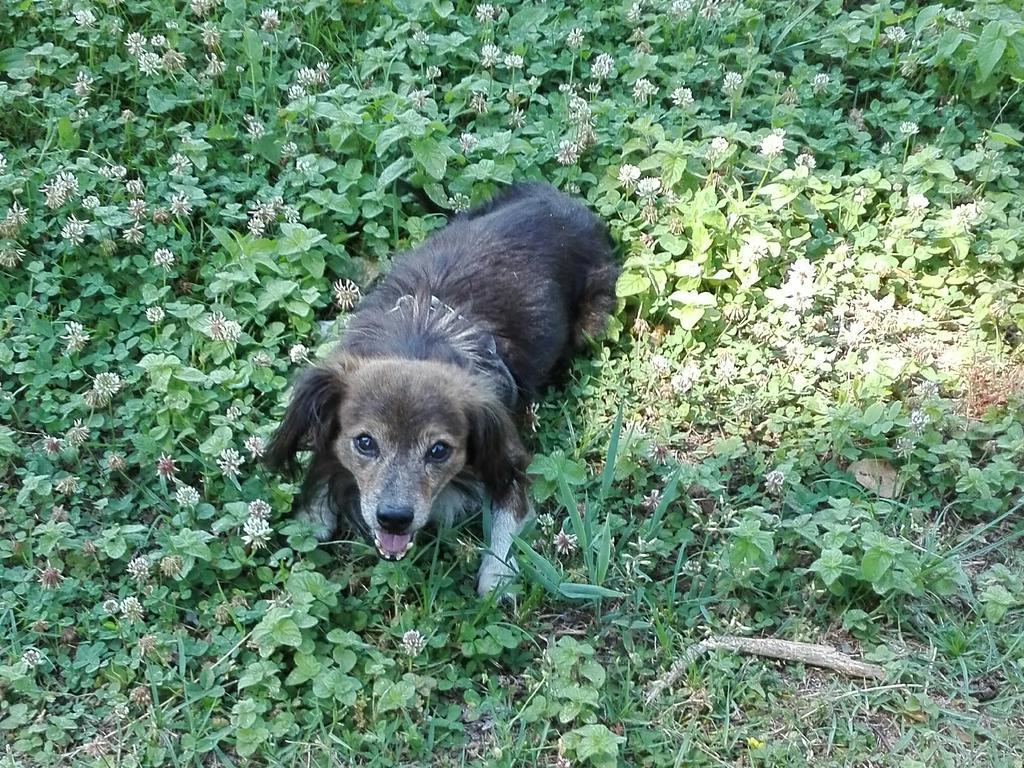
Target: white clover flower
(230, 462)
(418, 97)
(163, 258)
(648, 187)
(966, 215)
(629, 175)
(256, 533)
(680, 8)
(75, 337)
(602, 66)
(210, 35)
(202, 7)
(255, 445)
(575, 38)
(797, 293)
(10, 257)
(215, 67)
(187, 497)
(173, 60)
(106, 385)
(917, 202)
(958, 19)
(155, 314)
(219, 328)
(568, 152)
(67, 485)
(564, 543)
(774, 480)
(413, 642)
(137, 208)
(77, 433)
(131, 609)
(489, 55)
(894, 34)
(660, 364)
(83, 84)
(135, 43)
(31, 658)
(60, 189)
(683, 380)
(682, 97)
(513, 61)
(150, 63)
(772, 145)
(254, 127)
(298, 353)
(643, 89)
(180, 205)
(820, 82)
(74, 230)
(17, 216)
(179, 163)
(84, 17)
(138, 569)
(918, 421)
(485, 13)
(909, 128)
(259, 508)
(133, 234)
(717, 149)
(467, 143)
(346, 294)
(731, 83)
(805, 160)
(904, 446)
(269, 19)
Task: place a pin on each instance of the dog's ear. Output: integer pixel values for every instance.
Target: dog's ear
(311, 417)
(495, 450)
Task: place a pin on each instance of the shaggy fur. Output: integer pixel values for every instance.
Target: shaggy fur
(411, 418)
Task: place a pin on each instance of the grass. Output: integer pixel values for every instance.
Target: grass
(804, 422)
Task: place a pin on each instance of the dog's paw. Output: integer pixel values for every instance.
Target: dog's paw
(494, 576)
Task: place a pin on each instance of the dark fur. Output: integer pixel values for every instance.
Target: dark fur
(532, 269)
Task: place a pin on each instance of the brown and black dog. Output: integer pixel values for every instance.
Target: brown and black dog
(413, 416)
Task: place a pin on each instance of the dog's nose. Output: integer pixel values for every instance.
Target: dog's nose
(394, 518)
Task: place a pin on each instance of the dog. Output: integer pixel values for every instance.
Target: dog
(412, 418)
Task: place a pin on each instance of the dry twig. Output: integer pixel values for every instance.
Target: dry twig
(824, 656)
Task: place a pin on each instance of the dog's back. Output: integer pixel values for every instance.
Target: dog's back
(532, 267)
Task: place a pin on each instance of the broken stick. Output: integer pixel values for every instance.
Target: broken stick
(815, 655)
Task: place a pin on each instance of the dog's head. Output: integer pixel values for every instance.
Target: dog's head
(403, 429)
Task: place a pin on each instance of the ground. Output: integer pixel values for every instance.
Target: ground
(803, 423)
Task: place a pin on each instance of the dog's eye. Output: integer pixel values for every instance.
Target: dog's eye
(365, 445)
(439, 452)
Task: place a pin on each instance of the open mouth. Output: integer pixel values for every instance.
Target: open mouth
(393, 546)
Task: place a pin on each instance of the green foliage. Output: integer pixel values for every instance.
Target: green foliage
(817, 210)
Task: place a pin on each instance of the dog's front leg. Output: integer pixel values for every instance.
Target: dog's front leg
(318, 510)
(507, 518)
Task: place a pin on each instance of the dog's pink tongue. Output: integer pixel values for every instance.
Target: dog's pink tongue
(393, 543)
